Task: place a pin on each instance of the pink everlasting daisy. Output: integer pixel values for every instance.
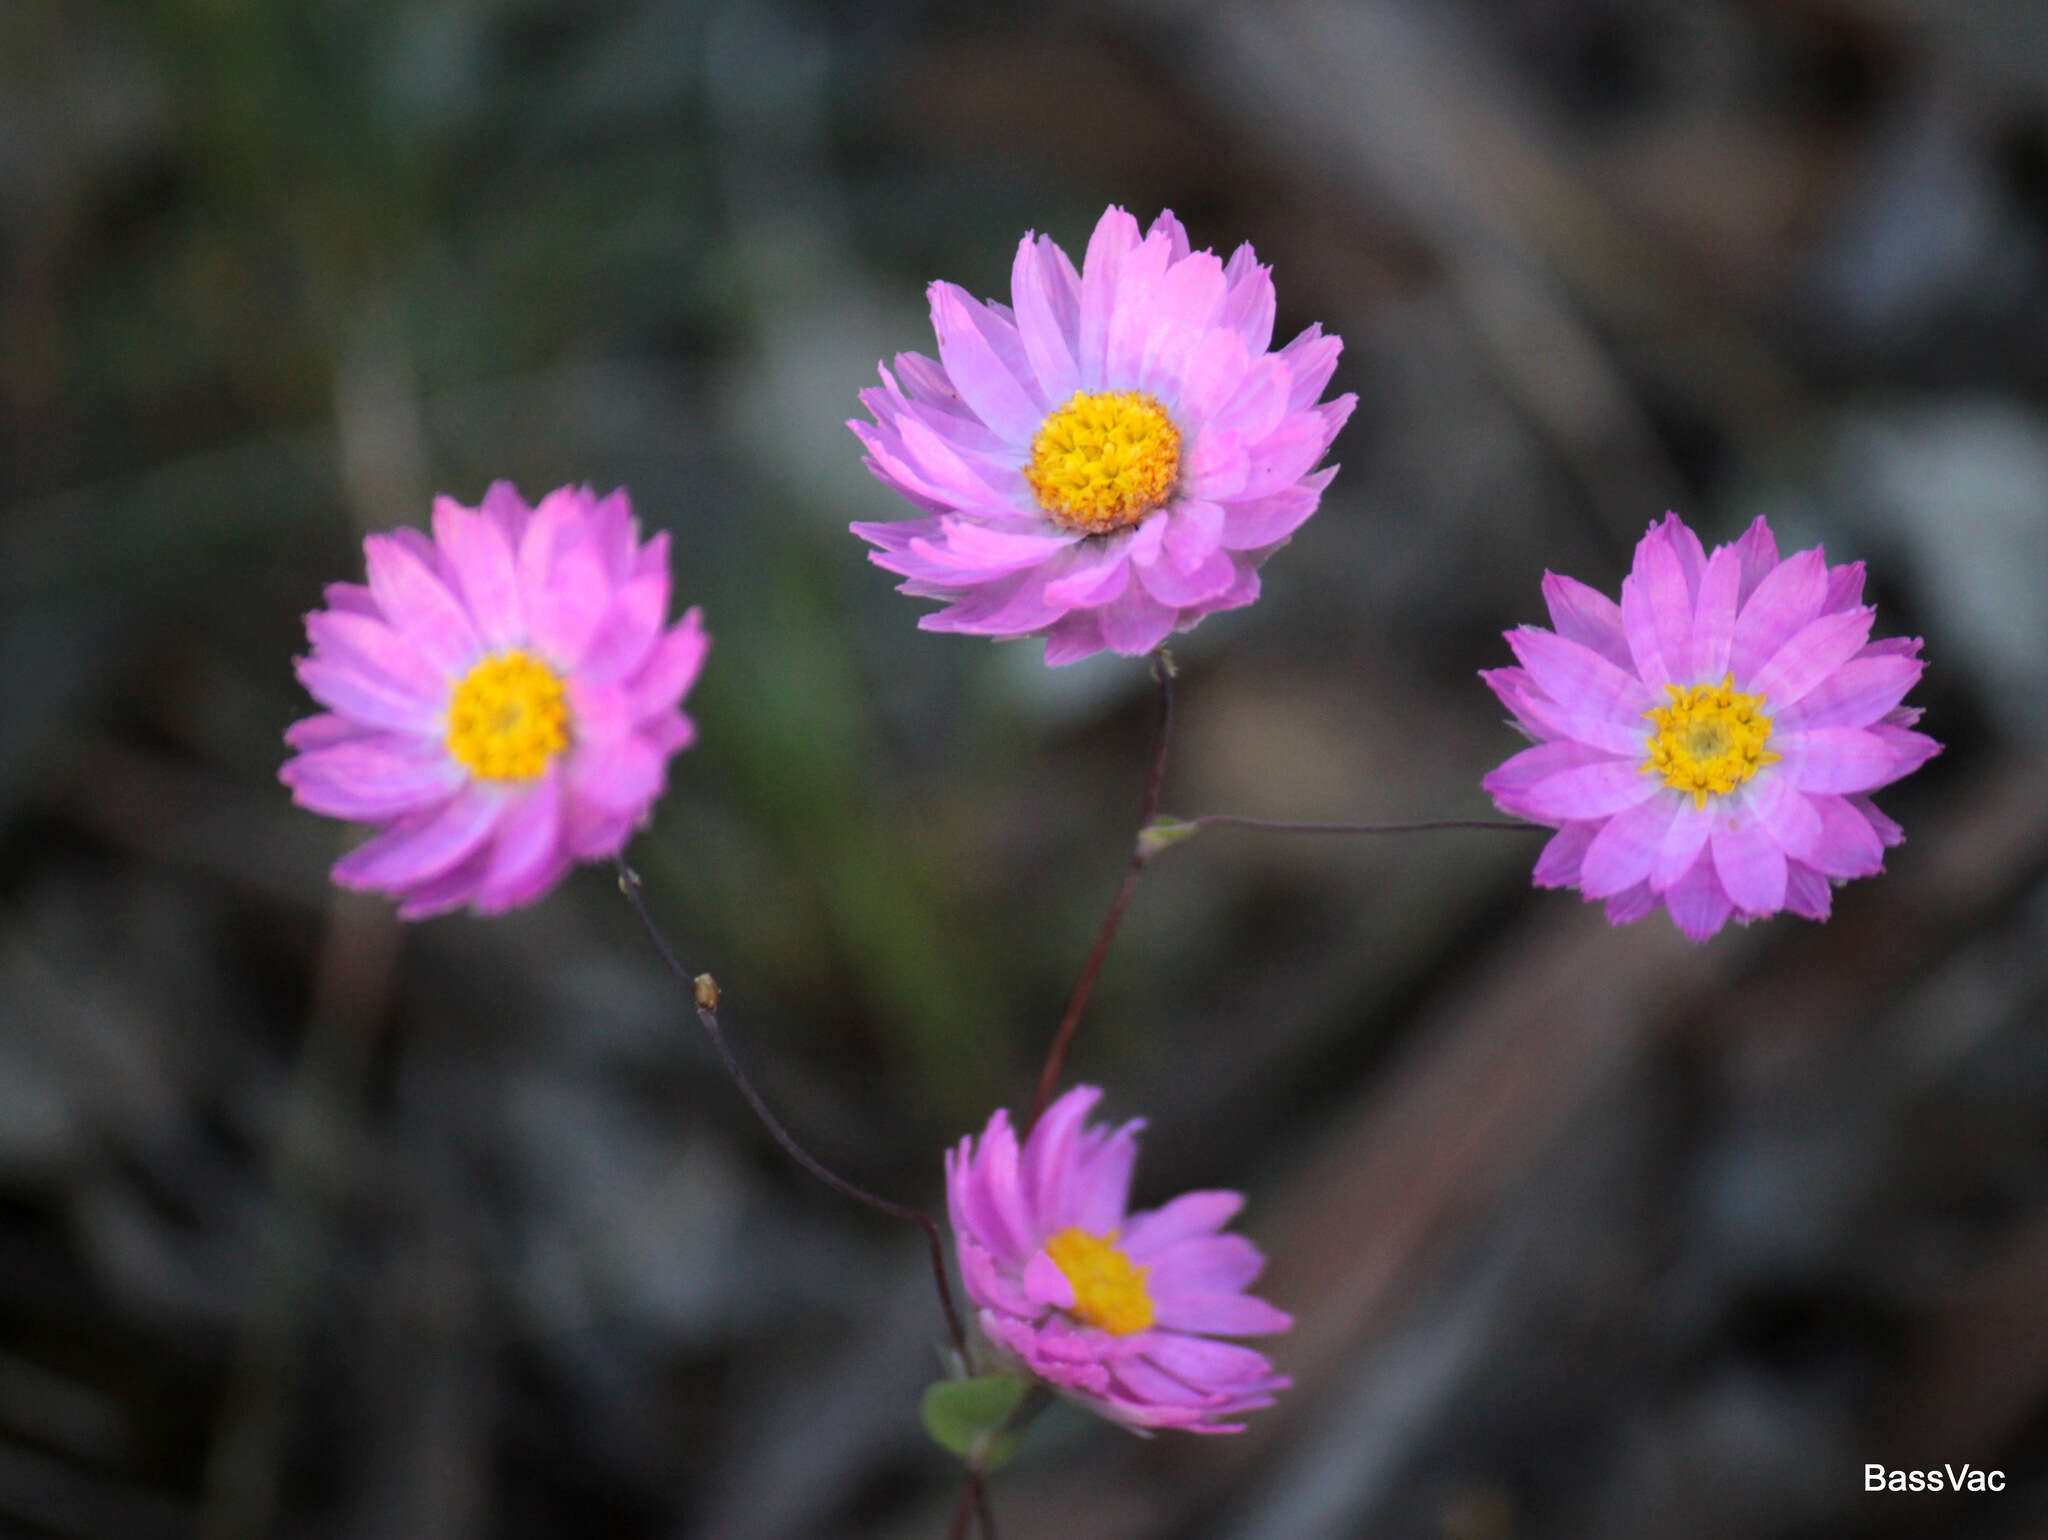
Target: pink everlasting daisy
(1711, 742)
(502, 698)
(1111, 459)
(1118, 1312)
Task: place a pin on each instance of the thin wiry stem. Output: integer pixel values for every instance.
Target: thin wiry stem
(704, 993)
(1418, 826)
(1134, 868)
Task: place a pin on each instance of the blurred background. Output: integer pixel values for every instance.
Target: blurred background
(314, 1225)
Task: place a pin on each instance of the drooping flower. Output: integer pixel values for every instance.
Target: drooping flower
(1710, 744)
(1111, 459)
(502, 698)
(1119, 1312)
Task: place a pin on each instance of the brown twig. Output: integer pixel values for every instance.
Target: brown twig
(1134, 868)
(704, 994)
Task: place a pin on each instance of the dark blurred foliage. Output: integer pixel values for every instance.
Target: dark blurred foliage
(314, 1226)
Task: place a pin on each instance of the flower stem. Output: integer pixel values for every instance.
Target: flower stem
(1141, 856)
(704, 993)
(1418, 826)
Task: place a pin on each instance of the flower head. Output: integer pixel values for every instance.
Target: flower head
(1111, 457)
(502, 698)
(1711, 742)
(1117, 1311)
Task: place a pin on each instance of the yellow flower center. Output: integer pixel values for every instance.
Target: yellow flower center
(1109, 1290)
(508, 717)
(1104, 461)
(1709, 740)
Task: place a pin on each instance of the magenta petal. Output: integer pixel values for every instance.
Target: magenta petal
(1047, 292)
(525, 858)
(1187, 1217)
(1785, 602)
(1807, 892)
(986, 380)
(367, 698)
(1750, 865)
(1849, 845)
(1857, 694)
(1586, 616)
(411, 851)
(1682, 844)
(1223, 1315)
(1812, 654)
(1564, 855)
(1713, 625)
(1757, 551)
(419, 604)
(371, 779)
(1630, 904)
(1045, 1285)
(566, 612)
(1787, 815)
(1102, 1184)
(371, 647)
(1593, 791)
(1135, 623)
(1622, 851)
(622, 777)
(1656, 611)
(1836, 759)
(1203, 1264)
(1698, 904)
(1049, 1157)
(481, 554)
(676, 661)
(1580, 680)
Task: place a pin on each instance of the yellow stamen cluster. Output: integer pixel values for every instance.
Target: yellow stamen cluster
(1109, 1290)
(508, 717)
(1709, 740)
(1103, 462)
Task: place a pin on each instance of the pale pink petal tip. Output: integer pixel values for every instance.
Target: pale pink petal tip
(1143, 313)
(1144, 1353)
(565, 591)
(1790, 640)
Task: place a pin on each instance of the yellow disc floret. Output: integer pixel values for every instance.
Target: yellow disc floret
(508, 717)
(1103, 462)
(1709, 740)
(1109, 1289)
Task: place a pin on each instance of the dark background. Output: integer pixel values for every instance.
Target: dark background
(315, 1225)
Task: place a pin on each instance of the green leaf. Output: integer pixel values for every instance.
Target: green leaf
(968, 1417)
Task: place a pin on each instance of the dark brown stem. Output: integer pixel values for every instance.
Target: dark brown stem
(963, 1510)
(977, 1485)
(1420, 826)
(1134, 868)
(704, 993)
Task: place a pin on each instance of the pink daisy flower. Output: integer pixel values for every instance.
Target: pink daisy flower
(1710, 743)
(502, 699)
(1118, 1312)
(1111, 459)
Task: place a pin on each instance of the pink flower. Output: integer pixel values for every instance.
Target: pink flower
(1710, 744)
(502, 699)
(1118, 1312)
(1112, 459)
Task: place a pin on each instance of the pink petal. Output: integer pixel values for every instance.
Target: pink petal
(1264, 521)
(410, 852)
(1682, 844)
(981, 362)
(673, 667)
(1593, 791)
(1102, 1183)
(1223, 1315)
(1045, 1285)
(369, 699)
(1116, 234)
(1248, 309)
(1588, 617)
(1076, 636)
(526, 857)
(1713, 625)
(1698, 905)
(1757, 551)
(1135, 623)
(372, 779)
(564, 612)
(1203, 1264)
(1622, 851)
(1049, 1155)
(1190, 1215)
(1849, 845)
(621, 777)
(625, 636)
(1786, 814)
(1047, 293)
(1785, 602)
(1750, 865)
(1210, 579)
(1812, 654)
(1835, 759)
(1807, 893)
(481, 555)
(1563, 856)
(419, 604)
(1857, 694)
(1581, 681)
(1656, 611)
